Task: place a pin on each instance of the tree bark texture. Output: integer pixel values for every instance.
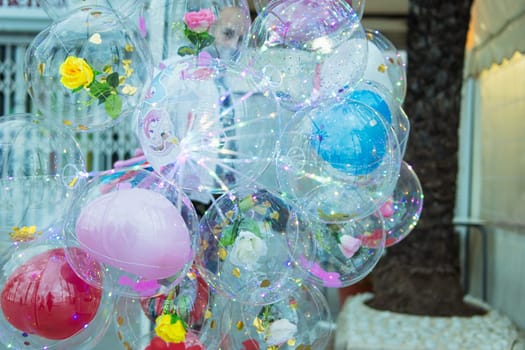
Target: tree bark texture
(421, 274)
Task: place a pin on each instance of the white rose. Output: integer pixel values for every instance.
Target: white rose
(280, 331)
(247, 249)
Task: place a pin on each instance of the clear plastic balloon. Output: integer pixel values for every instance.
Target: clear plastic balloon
(250, 244)
(138, 227)
(88, 70)
(309, 49)
(301, 320)
(179, 28)
(45, 305)
(346, 251)
(401, 126)
(402, 210)
(357, 5)
(377, 97)
(338, 159)
(41, 170)
(135, 318)
(208, 127)
(57, 9)
(385, 65)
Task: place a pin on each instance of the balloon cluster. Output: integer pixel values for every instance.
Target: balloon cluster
(288, 128)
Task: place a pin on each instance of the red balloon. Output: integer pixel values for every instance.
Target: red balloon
(45, 297)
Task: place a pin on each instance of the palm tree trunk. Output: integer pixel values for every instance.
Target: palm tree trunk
(421, 274)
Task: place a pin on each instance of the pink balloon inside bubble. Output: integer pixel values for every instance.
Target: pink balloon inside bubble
(136, 230)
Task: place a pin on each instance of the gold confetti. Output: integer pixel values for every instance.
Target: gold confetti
(24, 233)
(236, 272)
(73, 182)
(258, 324)
(95, 39)
(222, 253)
(41, 68)
(369, 36)
(274, 215)
(240, 325)
(127, 346)
(67, 122)
(129, 90)
(81, 127)
(119, 335)
(191, 275)
(291, 342)
(129, 48)
(382, 68)
(391, 60)
(304, 347)
(212, 324)
(273, 347)
(207, 315)
(229, 214)
(120, 320)
(265, 284)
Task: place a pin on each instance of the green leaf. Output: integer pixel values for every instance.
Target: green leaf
(206, 39)
(227, 236)
(113, 105)
(251, 225)
(99, 90)
(186, 50)
(193, 37)
(113, 79)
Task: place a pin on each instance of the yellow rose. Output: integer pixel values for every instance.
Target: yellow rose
(75, 73)
(168, 331)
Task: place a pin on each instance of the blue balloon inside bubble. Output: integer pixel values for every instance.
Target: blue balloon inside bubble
(373, 100)
(350, 136)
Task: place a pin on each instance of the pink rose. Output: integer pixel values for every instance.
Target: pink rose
(199, 21)
(349, 245)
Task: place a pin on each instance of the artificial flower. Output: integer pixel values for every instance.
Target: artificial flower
(76, 73)
(170, 328)
(196, 29)
(349, 245)
(280, 331)
(247, 249)
(199, 21)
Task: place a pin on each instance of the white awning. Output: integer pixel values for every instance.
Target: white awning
(496, 32)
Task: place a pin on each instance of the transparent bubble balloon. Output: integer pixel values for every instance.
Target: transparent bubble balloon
(135, 318)
(138, 227)
(209, 127)
(41, 170)
(250, 243)
(45, 305)
(57, 9)
(301, 320)
(214, 27)
(401, 212)
(341, 160)
(401, 126)
(357, 5)
(385, 64)
(377, 97)
(88, 70)
(346, 251)
(310, 50)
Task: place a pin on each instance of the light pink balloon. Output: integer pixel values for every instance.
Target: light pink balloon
(136, 230)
